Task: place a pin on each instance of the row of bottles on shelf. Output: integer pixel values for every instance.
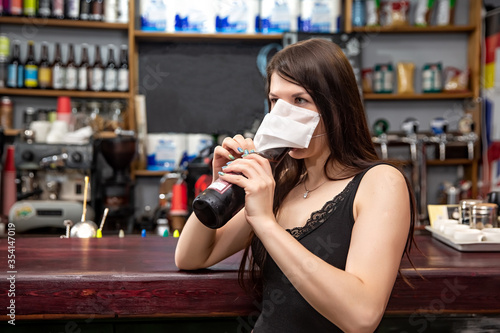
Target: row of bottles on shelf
(57, 74)
(395, 13)
(440, 136)
(94, 10)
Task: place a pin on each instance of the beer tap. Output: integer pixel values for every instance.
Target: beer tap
(439, 126)
(466, 128)
(380, 128)
(410, 127)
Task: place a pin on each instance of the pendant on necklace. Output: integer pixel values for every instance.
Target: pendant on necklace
(306, 194)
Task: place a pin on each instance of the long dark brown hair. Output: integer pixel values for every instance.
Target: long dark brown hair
(322, 69)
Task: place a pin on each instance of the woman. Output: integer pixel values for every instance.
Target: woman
(329, 230)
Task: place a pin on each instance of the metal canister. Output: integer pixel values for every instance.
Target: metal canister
(465, 211)
(484, 215)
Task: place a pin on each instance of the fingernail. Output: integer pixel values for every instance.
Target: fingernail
(229, 162)
(225, 166)
(231, 157)
(244, 155)
(252, 151)
(240, 150)
(246, 151)
(221, 173)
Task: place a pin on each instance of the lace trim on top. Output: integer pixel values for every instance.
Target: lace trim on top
(320, 216)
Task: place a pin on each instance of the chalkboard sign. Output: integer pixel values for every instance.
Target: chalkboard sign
(201, 87)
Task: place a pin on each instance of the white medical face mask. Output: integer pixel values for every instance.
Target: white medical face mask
(286, 126)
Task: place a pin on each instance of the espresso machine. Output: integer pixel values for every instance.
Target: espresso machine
(112, 185)
(50, 184)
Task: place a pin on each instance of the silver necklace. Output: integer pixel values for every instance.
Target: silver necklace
(306, 193)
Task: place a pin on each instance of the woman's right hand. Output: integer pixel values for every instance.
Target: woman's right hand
(231, 149)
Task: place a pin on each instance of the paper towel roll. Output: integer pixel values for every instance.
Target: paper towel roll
(165, 151)
(197, 142)
(279, 16)
(320, 15)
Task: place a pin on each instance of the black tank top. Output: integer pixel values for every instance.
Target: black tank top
(327, 234)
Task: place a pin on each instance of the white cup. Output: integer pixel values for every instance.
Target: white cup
(441, 223)
(491, 234)
(450, 229)
(41, 128)
(468, 235)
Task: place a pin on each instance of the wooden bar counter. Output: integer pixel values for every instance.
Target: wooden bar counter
(135, 277)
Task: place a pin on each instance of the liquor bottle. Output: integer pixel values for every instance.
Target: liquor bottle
(123, 70)
(97, 72)
(16, 7)
(97, 9)
(58, 70)
(58, 9)
(85, 7)
(44, 8)
(73, 9)
(215, 206)
(83, 70)
(44, 70)
(31, 68)
(29, 8)
(13, 68)
(71, 70)
(111, 72)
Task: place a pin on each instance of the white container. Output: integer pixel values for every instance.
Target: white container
(237, 16)
(153, 15)
(196, 143)
(320, 15)
(165, 151)
(195, 16)
(277, 16)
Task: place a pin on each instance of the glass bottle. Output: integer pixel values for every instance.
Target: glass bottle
(58, 9)
(215, 206)
(31, 68)
(97, 10)
(13, 68)
(71, 70)
(73, 9)
(83, 70)
(58, 70)
(29, 8)
(97, 77)
(123, 70)
(85, 9)
(111, 72)
(44, 8)
(44, 70)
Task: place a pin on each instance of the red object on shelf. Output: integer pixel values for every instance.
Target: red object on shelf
(9, 191)
(64, 108)
(179, 198)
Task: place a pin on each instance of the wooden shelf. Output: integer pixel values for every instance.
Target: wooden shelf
(70, 93)
(11, 132)
(428, 96)
(41, 22)
(452, 161)
(149, 173)
(413, 29)
(164, 36)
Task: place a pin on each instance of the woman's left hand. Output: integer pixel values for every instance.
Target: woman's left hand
(253, 173)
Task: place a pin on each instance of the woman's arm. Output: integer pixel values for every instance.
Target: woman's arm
(201, 247)
(354, 299)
